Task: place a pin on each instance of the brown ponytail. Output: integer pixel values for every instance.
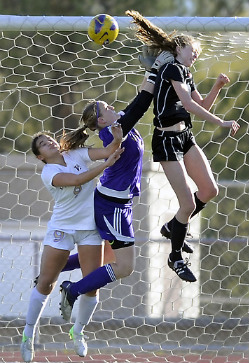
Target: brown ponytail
(78, 137)
(90, 115)
(73, 139)
(155, 37)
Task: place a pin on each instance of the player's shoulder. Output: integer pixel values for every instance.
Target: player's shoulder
(178, 68)
(105, 133)
(171, 67)
(79, 151)
(77, 155)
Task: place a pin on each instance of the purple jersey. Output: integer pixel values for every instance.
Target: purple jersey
(123, 179)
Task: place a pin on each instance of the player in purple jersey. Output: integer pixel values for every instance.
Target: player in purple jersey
(173, 144)
(115, 190)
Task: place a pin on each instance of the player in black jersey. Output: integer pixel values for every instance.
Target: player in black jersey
(173, 144)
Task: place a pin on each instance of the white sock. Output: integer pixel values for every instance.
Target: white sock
(87, 306)
(37, 304)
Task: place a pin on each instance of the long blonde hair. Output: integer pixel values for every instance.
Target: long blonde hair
(155, 37)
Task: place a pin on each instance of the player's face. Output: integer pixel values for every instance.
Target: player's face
(187, 55)
(47, 147)
(108, 113)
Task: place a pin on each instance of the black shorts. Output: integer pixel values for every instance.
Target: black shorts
(171, 145)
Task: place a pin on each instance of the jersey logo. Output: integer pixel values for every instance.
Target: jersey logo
(77, 167)
(77, 190)
(118, 235)
(58, 236)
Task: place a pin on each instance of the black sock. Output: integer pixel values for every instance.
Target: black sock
(178, 234)
(199, 205)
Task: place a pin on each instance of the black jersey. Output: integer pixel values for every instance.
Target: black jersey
(168, 109)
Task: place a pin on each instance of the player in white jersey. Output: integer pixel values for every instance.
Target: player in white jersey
(67, 177)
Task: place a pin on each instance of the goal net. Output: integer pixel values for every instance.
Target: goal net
(49, 70)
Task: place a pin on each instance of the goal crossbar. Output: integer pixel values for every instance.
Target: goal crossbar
(80, 23)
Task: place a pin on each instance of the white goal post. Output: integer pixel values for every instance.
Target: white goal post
(49, 69)
(80, 23)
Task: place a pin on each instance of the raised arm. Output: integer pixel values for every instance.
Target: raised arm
(105, 152)
(142, 101)
(195, 108)
(70, 179)
(209, 100)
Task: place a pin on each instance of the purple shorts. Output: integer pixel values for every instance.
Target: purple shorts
(114, 220)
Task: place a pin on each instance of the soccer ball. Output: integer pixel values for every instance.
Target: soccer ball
(103, 29)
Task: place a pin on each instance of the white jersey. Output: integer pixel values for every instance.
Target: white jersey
(74, 206)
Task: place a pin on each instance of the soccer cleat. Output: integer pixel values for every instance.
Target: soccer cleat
(80, 345)
(36, 280)
(67, 300)
(187, 247)
(27, 349)
(181, 269)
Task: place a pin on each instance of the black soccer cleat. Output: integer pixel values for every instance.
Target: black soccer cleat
(187, 247)
(181, 269)
(67, 300)
(36, 280)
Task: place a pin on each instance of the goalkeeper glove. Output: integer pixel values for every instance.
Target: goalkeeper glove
(163, 58)
(148, 57)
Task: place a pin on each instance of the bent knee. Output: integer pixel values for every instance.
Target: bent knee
(215, 190)
(129, 271)
(188, 208)
(45, 286)
(212, 192)
(124, 271)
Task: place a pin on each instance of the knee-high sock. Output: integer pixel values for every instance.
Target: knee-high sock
(37, 304)
(87, 306)
(178, 234)
(72, 263)
(199, 205)
(96, 279)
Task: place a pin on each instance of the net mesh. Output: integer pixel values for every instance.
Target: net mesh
(46, 79)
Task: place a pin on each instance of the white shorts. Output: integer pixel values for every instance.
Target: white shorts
(67, 240)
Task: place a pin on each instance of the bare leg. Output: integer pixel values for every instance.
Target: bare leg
(125, 261)
(52, 262)
(199, 170)
(178, 178)
(90, 258)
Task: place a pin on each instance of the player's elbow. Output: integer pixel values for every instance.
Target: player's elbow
(78, 181)
(188, 105)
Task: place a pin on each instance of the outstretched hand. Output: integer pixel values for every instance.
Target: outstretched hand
(164, 57)
(233, 125)
(148, 57)
(117, 131)
(115, 156)
(153, 58)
